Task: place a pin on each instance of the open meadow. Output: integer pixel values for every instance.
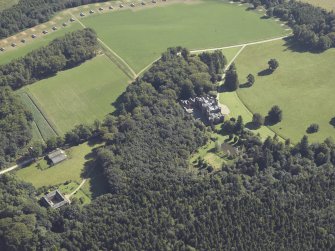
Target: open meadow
(303, 87)
(5, 4)
(326, 4)
(79, 95)
(140, 36)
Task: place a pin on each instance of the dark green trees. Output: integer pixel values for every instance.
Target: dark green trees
(231, 80)
(250, 79)
(275, 115)
(273, 64)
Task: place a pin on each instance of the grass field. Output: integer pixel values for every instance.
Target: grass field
(140, 36)
(80, 95)
(303, 87)
(41, 127)
(326, 4)
(5, 4)
(39, 174)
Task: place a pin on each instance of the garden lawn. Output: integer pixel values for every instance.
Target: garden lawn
(69, 170)
(303, 87)
(140, 35)
(80, 95)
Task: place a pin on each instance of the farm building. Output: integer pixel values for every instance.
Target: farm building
(207, 105)
(57, 156)
(54, 199)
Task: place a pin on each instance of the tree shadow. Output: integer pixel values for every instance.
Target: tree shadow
(265, 72)
(252, 126)
(294, 46)
(269, 122)
(93, 171)
(332, 122)
(245, 85)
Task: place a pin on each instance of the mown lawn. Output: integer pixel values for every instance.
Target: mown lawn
(40, 174)
(140, 35)
(302, 86)
(80, 95)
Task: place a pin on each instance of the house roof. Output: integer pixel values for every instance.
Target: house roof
(57, 156)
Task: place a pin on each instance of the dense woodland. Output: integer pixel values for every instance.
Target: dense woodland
(29, 13)
(63, 53)
(273, 197)
(15, 126)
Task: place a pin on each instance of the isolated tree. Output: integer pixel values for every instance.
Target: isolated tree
(313, 128)
(273, 64)
(239, 126)
(251, 79)
(231, 81)
(257, 119)
(275, 114)
(36, 149)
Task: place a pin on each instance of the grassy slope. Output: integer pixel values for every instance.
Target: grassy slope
(80, 95)
(70, 169)
(5, 4)
(326, 4)
(303, 86)
(141, 36)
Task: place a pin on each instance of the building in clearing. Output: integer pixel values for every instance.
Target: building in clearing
(208, 106)
(230, 150)
(57, 156)
(54, 199)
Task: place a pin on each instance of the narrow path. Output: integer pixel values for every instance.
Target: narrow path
(68, 196)
(109, 49)
(15, 166)
(239, 45)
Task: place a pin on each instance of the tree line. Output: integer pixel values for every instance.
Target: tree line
(29, 13)
(62, 53)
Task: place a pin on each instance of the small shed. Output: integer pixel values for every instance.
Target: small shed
(57, 156)
(54, 199)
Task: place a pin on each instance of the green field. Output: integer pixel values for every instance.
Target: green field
(79, 95)
(140, 36)
(326, 4)
(303, 86)
(39, 174)
(5, 4)
(41, 127)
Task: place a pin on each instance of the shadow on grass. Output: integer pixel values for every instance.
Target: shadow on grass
(245, 85)
(252, 126)
(93, 171)
(265, 72)
(332, 122)
(292, 45)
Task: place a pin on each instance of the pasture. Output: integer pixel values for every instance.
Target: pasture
(302, 86)
(5, 4)
(72, 169)
(140, 36)
(326, 4)
(79, 95)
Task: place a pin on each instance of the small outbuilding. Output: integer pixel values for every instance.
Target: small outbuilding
(111, 7)
(45, 32)
(91, 11)
(2, 49)
(33, 36)
(54, 199)
(57, 156)
(13, 44)
(72, 19)
(229, 149)
(54, 28)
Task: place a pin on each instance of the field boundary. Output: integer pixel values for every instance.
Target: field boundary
(34, 102)
(113, 56)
